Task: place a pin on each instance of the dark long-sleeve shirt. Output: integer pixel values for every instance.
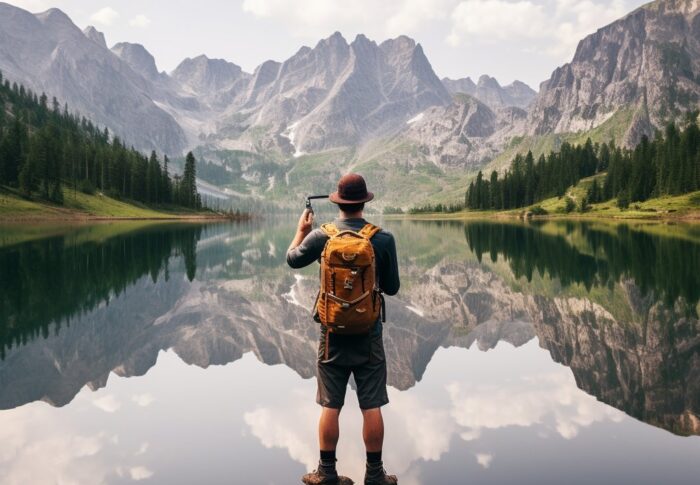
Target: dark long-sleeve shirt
(387, 266)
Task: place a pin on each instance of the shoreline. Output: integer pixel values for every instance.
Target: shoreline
(96, 218)
(691, 217)
(82, 208)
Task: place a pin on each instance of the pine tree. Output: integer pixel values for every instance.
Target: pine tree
(189, 182)
(493, 191)
(166, 183)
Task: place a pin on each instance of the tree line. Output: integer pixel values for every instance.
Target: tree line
(664, 268)
(82, 277)
(45, 148)
(668, 164)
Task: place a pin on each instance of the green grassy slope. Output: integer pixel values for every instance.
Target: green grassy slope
(78, 205)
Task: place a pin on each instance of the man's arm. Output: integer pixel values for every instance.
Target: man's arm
(306, 247)
(390, 282)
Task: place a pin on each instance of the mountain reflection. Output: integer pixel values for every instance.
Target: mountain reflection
(51, 280)
(616, 304)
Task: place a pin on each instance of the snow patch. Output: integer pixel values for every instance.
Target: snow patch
(418, 117)
(290, 134)
(291, 297)
(416, 310)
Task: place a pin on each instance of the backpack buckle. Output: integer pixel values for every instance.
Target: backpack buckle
(347, 284)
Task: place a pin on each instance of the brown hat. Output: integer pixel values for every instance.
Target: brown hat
(351, 190)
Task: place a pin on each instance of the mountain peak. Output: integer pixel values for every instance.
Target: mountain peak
(673, 6)
(138, 58)
(55, 16)
(204, 75)
(362, 39)
(95, 35)
(401, 43)
(488, 81)
(337, 37)
(489, 91)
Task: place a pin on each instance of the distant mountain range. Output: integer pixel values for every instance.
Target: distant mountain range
(490, 92)
(295, 125)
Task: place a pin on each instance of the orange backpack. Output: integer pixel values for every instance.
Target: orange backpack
(349, 301)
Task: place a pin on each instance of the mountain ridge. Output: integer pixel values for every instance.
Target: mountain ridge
(489, 91)
(47, 53)
(364, 105)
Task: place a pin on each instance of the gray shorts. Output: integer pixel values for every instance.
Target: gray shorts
(361, 356)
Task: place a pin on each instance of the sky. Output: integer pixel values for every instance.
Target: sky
(507, 39)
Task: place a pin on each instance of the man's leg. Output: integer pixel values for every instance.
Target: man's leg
(372, 394)
(373, 429)
(332, 383)
(373, 434)
(328, 429)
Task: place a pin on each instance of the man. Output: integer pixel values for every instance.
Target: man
(342, 355)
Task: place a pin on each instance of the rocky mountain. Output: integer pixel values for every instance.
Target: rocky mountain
(490, 92)
(336, 94)
(379, 108)
(48, 53)
(138, 59)
(202, 76)
(95, 35)
(639, 71)
(465, 134)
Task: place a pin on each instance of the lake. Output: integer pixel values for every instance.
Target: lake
(540, 353)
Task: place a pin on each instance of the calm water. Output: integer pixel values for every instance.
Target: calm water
(554, 353)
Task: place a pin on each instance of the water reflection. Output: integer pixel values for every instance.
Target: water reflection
(617, 305)
(49, 281)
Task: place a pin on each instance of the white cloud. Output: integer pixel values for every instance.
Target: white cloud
(140, 473)
(143, 400)
(31, 5)
(558, 24)
(526, 402)
(286, 428)
(140, 21)
(31, 436)
(105, 16)
(317, 18)
(409, 15)
(421, 423)
(498, 19)
(484, 459)
(108, 403)
(143, 448)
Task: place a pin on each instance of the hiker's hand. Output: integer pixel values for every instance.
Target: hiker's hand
(305, 222)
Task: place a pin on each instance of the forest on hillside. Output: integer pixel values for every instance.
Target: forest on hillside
(45, 149)
(668, 164)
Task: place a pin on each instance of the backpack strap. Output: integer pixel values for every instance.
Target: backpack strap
(329, 229)
(369, 231)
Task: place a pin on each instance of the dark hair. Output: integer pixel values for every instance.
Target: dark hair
(350, 208)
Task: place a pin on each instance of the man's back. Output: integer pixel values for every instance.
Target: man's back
(384, 250)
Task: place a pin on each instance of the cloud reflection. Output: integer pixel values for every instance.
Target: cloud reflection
(107, 403)
(505, 388)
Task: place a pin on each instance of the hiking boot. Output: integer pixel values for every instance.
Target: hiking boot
(319, 478)
(323, 475)
(376, 475)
